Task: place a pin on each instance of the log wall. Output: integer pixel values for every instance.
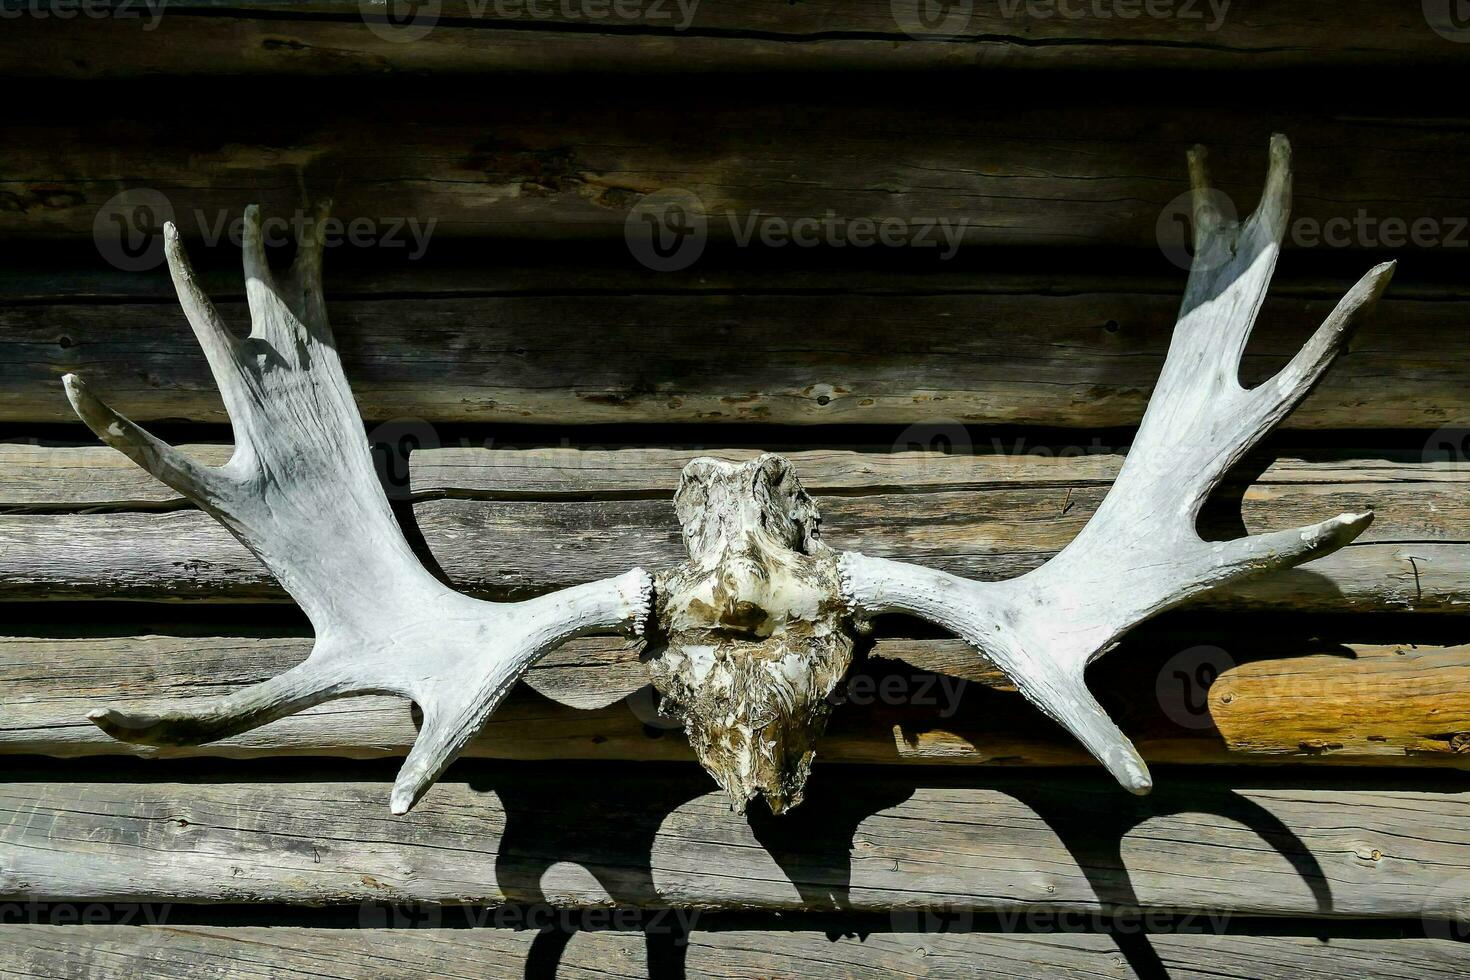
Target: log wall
(533, 387)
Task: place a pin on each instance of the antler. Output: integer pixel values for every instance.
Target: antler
(1141, 553)
(301, 493)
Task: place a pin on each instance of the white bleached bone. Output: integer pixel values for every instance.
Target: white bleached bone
(301, 493)
(1141, 553)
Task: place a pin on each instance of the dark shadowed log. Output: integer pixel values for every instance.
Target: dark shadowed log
(331, 37)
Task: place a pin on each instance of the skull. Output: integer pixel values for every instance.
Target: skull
(754, 633)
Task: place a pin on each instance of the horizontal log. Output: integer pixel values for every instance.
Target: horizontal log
(184, 952)
(330, 37)
(561, 167)
(662, 839)
(1206, 699)
(455, 345)
(983, 516)
(38, 477)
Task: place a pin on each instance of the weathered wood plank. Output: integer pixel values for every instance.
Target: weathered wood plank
(329, 37)
(915, 701)
(978, 516)
(37, 477)
(185, 952)
(563, 167)
(1071, 351)
(648, 839)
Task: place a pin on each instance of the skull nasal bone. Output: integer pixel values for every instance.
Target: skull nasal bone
(743, 591)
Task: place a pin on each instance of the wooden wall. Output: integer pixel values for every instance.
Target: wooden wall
(534, 390)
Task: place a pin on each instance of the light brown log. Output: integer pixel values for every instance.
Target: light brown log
(184, 952)
(648, 839)
(328, 37)
(1287, 700)
(980, 516)
(39, 477)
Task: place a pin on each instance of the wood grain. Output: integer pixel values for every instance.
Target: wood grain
(645, 838)
(1199, 699)
(563, 167)
(562, 519)
(328, 37)
(452, 345)
(185, 952)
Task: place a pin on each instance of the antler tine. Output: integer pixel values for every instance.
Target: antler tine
(1141, 552)
(301, 492)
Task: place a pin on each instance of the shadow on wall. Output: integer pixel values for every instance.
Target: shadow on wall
(611, 833)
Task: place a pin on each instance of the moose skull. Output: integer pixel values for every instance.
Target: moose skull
(756, 629)
(755, 633)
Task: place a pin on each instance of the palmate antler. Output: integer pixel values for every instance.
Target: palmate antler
(301, 493)
(1140, 553)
